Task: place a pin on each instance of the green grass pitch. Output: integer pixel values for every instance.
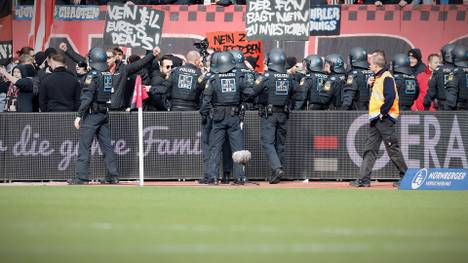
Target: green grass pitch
(175, 224)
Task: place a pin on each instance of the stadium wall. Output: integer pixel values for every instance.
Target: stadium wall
(320, 145)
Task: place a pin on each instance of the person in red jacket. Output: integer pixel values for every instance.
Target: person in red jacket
(423, 78)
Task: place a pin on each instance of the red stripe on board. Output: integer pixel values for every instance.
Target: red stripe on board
(325, 142)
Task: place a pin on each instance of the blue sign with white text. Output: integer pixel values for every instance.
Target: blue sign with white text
(435, 179)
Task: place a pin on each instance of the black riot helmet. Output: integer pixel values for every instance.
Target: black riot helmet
(446, 52)
(214, 62)
(336, 63)
(314, 63)
(358, 57)
(276, 60)
(98, 59)
(460, 56)
(225, 62)
(239, 58)
(401, 64)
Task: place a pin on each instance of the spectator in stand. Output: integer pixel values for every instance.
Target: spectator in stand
(433, 62)
(19, 88)
(131, 79)
(60, 90)
(119, 56)
(415, 58)
(81, 71)
(159, 80)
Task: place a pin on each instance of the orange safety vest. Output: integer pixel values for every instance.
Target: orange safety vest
(377, 98)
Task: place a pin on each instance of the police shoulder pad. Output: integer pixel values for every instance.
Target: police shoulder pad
(200, 79)
(349, 80)
(327, 86)
(88, 80)
(259, 80)
(450, 77)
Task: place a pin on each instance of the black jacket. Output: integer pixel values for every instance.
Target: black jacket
(59, 91)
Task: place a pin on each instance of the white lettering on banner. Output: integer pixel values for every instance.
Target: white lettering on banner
(430, 143)
(119, 12)
(455, 138)
(412, 139)
(5, 51)
(259, 5)
(356, 125)
(455, 146)
(78, 12)
(168, 147)
(29, 144)
(325, 13)
(24, 12)
(3, 148)
(133, 26)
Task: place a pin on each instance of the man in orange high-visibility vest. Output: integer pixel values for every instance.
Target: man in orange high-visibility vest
(383, 114)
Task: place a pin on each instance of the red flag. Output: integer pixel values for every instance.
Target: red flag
(139, 95)
(41, 23)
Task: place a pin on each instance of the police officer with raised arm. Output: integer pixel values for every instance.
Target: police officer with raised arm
(276, 91)
(405, 80)
(93, 119)
(312, 84)
(222, 98)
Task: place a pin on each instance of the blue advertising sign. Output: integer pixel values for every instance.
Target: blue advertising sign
(435, 179)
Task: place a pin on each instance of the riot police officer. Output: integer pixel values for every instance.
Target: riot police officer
(407, 85)
(457, 85)
(437, 83)
(276, 92)
(93, 119)
(222, 99)
(356, 82)
(249, 75)
(185, 84)
(332, 92)
(312, 84)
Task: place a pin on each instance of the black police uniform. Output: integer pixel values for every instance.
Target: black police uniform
(331, 95)
(93, 112)
(457, 85)
(222, 99)
(312, 84)
(185, 89)
(437, 88)
(276, 93)
(408, 90)
(356, 91)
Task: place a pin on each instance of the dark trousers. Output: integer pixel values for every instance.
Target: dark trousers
(363, 105)
(95, 124)
(273, 138)
(462, 105)
(228, 128)
(227, 153)
(381, 130)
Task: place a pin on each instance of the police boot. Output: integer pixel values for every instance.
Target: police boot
(360, 183)
(277, 176)
(77, 181)
(109, 180)
(240, 181)
(225, 179)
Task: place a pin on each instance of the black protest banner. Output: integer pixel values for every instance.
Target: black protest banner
(278, 19)
(6, 52)
(325, 20)
(133, 26)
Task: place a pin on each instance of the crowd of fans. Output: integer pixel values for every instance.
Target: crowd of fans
(42, 82)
